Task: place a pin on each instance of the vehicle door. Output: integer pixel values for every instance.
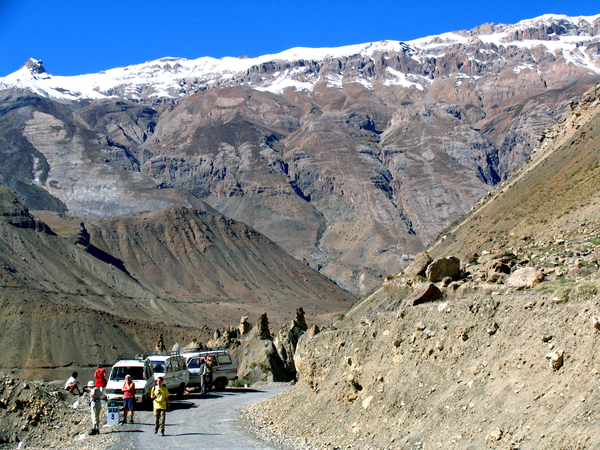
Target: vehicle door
(194, 368)
(169, 374)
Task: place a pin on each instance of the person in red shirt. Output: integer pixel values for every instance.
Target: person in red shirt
(128, 397)
(100, 375)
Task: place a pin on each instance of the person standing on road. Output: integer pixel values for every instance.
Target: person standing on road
(95, 394)
(209, 370)
(128, 397)
(160, 395)
(100, 375)
(202, 371)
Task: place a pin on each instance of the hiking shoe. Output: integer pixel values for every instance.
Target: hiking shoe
(155, 430)
(130, 420)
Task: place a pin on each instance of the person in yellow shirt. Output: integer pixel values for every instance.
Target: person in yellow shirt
(160, 395)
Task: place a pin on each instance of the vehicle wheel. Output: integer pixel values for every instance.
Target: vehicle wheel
(220, 384)
(181, 390)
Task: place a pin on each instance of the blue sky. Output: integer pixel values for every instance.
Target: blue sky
(86, 36)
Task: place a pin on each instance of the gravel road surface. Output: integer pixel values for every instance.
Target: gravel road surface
(197, 422)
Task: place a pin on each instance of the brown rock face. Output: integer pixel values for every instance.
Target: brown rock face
(360, 162)
(546, 199)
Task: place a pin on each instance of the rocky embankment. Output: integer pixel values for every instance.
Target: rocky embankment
(36, 414)
(498, 360)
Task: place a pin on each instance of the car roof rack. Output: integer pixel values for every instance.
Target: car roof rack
(173, 353)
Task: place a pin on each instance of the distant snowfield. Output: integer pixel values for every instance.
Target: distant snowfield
(168, 77)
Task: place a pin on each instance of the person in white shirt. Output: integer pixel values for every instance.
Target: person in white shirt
(72, 384)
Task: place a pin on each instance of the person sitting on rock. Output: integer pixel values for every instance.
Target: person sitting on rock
(72, 384)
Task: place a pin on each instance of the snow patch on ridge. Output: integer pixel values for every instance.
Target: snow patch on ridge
(401, 79)
(173, 77)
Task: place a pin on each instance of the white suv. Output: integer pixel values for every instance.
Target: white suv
(173, 369)
(141, 374)
(224, 369)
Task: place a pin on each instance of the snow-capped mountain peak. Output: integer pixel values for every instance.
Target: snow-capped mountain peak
(576, 38)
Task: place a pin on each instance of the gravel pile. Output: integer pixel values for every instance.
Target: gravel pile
(35, 414)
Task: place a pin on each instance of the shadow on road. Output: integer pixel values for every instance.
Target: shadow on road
(194, 434)
(182, 404)
(201, 396)
(217, 394)
(122, 430)
(241, 391)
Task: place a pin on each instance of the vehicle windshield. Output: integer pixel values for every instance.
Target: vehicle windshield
(158, 366)
(118, 373)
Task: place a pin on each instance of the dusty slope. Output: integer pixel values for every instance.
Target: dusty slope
(472, 370)
(176, 273)
(45, 337)
(383, 384)
(215, 269)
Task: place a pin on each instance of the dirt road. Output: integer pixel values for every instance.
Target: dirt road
(197, 422)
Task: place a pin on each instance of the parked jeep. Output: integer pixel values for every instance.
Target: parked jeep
(173, 369)
(141, 374)
(224, 369)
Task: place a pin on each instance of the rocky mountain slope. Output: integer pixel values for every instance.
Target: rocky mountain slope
(112, 288)
(501, 357)
(554, 195)
(351, 159)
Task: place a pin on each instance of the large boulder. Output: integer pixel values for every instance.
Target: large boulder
(299, 321)
(226, 339)
(443, 267)
(258, 360)
(426, 292)
(418, 266)
(525, 278)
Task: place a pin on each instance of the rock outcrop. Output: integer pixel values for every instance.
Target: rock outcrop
(244, 327)
(287, 340)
